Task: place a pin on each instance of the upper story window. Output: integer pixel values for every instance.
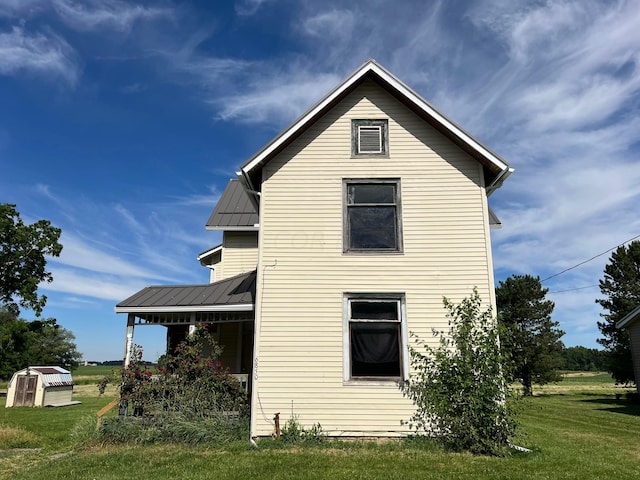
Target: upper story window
(369, 137)
(372, 216)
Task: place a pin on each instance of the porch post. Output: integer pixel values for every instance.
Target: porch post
(192, 323)
(129, 339)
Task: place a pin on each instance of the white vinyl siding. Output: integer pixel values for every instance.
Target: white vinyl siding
(304, 274)
(239, 254)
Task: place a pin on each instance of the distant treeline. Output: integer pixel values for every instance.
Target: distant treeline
(584, 359)
(114, 363)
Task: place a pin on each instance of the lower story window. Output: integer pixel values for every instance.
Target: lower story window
(375, 333)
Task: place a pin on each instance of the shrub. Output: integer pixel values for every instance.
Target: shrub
(459, 387)
(190, 398)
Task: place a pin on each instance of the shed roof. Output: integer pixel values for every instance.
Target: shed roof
(234, 210)
(496, 169)
(51, 376)
(231, 294)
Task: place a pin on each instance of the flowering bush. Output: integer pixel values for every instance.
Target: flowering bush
(188, 381)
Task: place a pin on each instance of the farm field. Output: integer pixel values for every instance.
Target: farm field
(582, 428)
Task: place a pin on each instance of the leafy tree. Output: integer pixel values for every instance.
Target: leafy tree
(40, 342)
(621, 288)
(583, 359)
(22, 258)
(527, 333)
(459, 388)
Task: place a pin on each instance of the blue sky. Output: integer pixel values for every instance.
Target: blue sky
(121, 122)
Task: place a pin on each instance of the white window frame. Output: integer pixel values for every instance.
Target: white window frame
(404, 336)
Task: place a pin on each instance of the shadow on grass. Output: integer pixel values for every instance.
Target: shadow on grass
(617, 405)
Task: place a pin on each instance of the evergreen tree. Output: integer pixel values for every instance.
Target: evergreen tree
(528, 335)
(621, 287)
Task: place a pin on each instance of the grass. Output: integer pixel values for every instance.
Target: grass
(581, 432)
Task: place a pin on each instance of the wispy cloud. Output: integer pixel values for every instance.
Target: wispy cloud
(45, 55)
(106, 14)
(280, 98)
(249, 7)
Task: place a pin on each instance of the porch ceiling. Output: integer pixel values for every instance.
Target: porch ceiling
(233, 294)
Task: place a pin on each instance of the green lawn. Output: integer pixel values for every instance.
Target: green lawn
(584, 435)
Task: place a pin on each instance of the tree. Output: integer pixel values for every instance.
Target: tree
(583, 359)
(459, 388)
(22, 258)
(527, 333)
(40, 342)
(621, 287)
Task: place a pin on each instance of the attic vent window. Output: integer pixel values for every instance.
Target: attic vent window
(369, 137)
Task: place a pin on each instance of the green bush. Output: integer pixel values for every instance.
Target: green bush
(459, 388)
(190, 398)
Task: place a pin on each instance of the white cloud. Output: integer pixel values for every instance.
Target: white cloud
(43, 55)
(248, 7)
(106, 14)
(81, 283)
(333, 23)
(277, 99)
(77, 253)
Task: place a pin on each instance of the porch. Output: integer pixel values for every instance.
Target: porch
(225, 307)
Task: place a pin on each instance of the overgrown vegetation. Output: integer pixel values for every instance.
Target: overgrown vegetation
(294, 432)
(459, 387)
(189, 398)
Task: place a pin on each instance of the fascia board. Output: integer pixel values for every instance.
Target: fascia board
(630, 318)
(253, 228)
(191, 308)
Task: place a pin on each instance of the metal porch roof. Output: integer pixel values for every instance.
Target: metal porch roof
(231, 294)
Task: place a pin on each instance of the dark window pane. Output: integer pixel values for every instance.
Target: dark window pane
(372, 227)
(368, 193)
(375, 349)
(374, 310)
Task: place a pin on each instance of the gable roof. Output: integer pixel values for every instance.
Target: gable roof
(234, 211)
(233, 294)
(496, 169)
(630, 318)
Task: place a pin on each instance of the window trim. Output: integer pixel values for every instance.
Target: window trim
(346, 229)
(404, 338)
(355, 137)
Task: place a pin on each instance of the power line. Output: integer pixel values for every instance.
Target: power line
(587, 261)
(573, 289)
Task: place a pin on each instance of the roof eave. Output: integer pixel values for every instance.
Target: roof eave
(630, 318)
(253, 228)
(243, 307)
(398, 88)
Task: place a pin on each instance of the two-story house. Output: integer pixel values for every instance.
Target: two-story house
(340, 237)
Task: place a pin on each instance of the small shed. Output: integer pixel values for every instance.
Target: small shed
(40, 387)
(632, 323)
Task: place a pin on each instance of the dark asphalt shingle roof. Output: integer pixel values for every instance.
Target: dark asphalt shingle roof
(234, 209)
(238, 290)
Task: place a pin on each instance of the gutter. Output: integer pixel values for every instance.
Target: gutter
(499, 180)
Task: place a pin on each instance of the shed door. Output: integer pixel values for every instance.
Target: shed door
(26, 391)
